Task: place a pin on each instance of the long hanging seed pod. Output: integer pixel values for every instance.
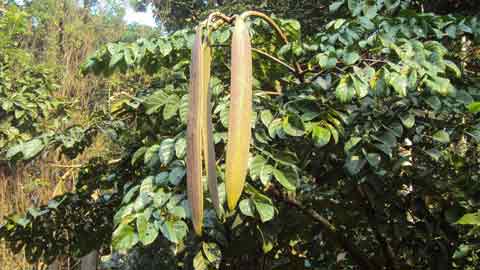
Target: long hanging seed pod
(239, 130)
(194, 137)
(207, 131)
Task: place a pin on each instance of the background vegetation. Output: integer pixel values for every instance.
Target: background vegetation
(367, 159)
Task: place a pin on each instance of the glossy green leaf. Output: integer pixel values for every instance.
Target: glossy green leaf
(289, 184)
(124, 237)
(441, 136)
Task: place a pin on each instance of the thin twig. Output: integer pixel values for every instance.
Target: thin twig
(291, 69)
(66, 166)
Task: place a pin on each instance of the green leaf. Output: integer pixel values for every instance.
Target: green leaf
(292, 28)
(338, 23)
(142, 201)
(352, 142)
(151, 154)
(221, 36)
(128, 56)
(350, 58)
(147, 232)
(344, 91)
(166, 151)
(336, 5)
(451, 31)
(115, 58)
(28, 149)
(247, 207)
(321, 136)
(147, 185)
(138, 154)
(293, 125)
(453, 67)
(199, 262)
(160, 198)
(174, 231)
(154, 102)
(161, 178)
(441, 86)
(265, 210)
(266, 117)
(322, 83)
(474, 107)
(212, 252)
(178, 211)
(387, 137)
(325, 61)
(470, 219)
(171, 107)
(180, 147)
(124, 237)
(399, 83)
(283, 180)
(408, 119)
(434, 154)
(256, 165)
(176, 175)
(266, 174)
(441, 136)
(370, 9)
(373, 159)
(387, 150)
(434, 102)
(354, 164)
(334, 133)
(275, 128)
(355, 7)
(361, 88)
(127, 198)
(165, 47)
(462, 251)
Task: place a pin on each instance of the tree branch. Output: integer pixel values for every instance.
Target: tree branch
(387, 249)
(357, 255)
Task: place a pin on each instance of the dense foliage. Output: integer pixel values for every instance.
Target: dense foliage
(311, 14)
(25, 88)
(364, 153)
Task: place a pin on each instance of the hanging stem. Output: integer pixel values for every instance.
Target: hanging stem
(213, 24)
(283, 37)
(268, 20)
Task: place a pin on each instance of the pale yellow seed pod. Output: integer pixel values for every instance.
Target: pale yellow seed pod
(194, 134)
(239, 129)
(207, 132)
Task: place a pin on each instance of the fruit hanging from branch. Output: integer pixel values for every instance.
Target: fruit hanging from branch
(240, 114)
(200, 146)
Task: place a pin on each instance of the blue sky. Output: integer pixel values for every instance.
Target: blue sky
(143, 18)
